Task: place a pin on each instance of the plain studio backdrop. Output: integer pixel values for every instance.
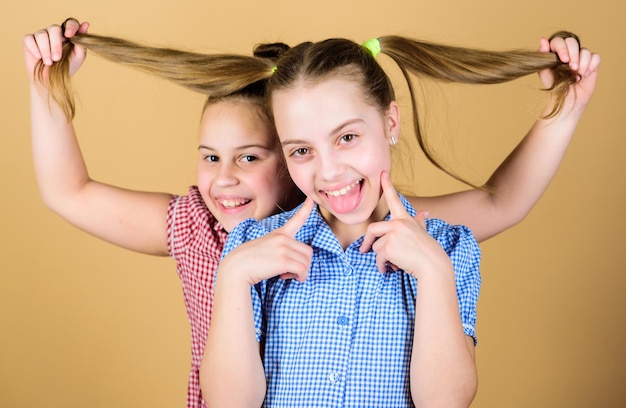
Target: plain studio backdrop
(86, 324)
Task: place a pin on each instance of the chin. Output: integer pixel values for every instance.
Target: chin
(356, 217)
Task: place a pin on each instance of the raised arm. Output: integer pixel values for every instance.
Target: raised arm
(133, 220)
(522, 178)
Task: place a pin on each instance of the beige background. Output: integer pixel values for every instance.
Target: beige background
(86, 324)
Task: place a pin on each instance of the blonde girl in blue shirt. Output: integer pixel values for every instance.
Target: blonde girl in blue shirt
(355, 301)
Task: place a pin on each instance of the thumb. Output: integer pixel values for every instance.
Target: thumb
(544, 45)
(84, 27)
(79, 53)
(545, 75)
(299, 218)
(70, 27)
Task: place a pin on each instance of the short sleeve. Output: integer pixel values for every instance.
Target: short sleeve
(177, 220)
(191, 226)
(460, 244)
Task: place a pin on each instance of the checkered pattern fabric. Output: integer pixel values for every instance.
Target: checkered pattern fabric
(343, 337)
(195, 240)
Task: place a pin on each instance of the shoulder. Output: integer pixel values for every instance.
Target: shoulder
(251, 229)
(439, 228)
(408, 205)
(190, 210)
(191, 224)
(453, 238)
(251, 226)
(191, 204)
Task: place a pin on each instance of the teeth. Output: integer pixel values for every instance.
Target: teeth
(232, 203)
(344, 190)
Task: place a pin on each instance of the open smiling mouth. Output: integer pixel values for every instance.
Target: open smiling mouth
(233, 203)
(343, 191)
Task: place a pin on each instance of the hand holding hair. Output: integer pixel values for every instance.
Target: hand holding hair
(581, 61)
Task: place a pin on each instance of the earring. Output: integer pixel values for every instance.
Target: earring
(393, 141)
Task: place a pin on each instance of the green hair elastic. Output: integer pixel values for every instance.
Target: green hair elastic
(373, 46)
(274, 68)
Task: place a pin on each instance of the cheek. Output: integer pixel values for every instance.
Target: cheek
(204, 181)
(204, 177)
(269, 189)
(376, 160)
(267, 178)
(301, 177)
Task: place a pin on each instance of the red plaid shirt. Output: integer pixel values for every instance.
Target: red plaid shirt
(195, 240)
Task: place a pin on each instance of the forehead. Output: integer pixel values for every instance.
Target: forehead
(232, 123)
(320, 105)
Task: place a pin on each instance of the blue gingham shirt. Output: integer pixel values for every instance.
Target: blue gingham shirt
(343, 337)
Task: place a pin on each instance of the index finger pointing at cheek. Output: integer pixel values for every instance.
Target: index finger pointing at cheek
(396, 208)
(299, 218)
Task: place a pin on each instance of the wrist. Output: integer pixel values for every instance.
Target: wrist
(571, 106)
(438, 271)
(233, 277)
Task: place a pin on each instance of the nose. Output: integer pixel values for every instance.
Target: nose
(226, 175)
(331, 167)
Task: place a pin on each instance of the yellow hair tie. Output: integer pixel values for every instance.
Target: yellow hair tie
(373, 46)
(274, 68)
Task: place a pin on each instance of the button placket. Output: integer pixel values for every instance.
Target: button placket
(342, 321)
(344, 312)
(334, 377)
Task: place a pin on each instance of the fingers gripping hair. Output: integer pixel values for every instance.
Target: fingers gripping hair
(563, 76)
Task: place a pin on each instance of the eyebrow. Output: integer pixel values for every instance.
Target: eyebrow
(332, 132)
(245, 147)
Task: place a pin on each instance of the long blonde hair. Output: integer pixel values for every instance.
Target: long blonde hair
(276, 66)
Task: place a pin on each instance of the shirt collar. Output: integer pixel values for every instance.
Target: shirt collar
(317, 233)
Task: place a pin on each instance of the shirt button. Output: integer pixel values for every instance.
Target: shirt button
(342, 320)
(333, 376)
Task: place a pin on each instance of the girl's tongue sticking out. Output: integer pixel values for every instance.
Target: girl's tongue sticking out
(345, 199)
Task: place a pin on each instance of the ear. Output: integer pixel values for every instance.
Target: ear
(392, 123)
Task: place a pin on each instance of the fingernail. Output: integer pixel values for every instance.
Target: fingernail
(47, 61)
(56, 57)
(426, 215)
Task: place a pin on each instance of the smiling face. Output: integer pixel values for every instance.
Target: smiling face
(336, 146)
(240, 172)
